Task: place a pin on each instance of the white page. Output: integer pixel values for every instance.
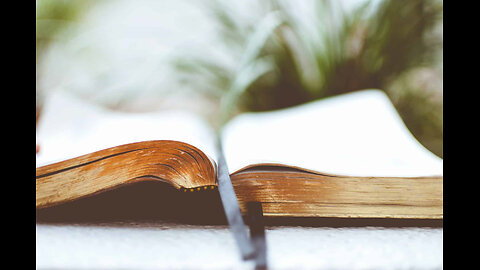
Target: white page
(69, 127)
(358, 134)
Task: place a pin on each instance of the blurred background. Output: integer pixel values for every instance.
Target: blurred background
(220, 58)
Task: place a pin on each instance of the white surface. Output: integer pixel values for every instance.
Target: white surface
(213, 247)
(357, 134)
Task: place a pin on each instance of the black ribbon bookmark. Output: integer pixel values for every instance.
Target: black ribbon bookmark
(253, 247)
(257, 234)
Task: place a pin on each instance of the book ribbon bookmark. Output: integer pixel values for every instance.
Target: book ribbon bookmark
(253, 247)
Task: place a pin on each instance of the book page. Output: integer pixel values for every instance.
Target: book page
(356, 134)
(69, 127)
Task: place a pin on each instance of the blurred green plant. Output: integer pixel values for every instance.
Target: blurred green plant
(282, 58)
(53, 17)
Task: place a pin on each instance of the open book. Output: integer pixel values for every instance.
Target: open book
(344, 156)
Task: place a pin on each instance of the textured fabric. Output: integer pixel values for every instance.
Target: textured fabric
(174, 246)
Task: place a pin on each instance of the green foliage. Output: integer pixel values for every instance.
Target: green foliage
(284, 59)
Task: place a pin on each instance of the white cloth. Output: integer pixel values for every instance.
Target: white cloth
(176, 246)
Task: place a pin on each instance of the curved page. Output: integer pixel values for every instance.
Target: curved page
(70, 127)
(355, 134)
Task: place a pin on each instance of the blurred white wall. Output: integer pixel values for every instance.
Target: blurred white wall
(121, 50)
